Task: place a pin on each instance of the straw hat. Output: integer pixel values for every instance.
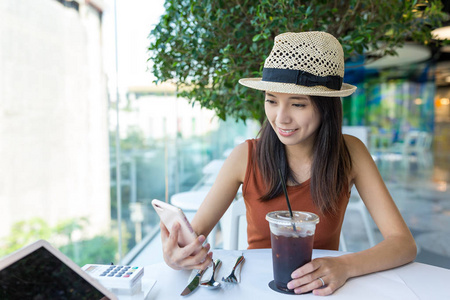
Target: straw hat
(307, 63)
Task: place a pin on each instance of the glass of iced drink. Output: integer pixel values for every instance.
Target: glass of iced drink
(292, 243)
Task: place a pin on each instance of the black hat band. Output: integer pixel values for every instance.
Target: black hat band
(303, 78)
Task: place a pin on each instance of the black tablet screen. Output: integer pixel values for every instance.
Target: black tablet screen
(41, 275)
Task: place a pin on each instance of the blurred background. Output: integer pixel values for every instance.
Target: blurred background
(87, 139)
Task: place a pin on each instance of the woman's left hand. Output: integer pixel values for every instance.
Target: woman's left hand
(332, 270)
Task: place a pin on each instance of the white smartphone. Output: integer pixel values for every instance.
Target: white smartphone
(169, 214)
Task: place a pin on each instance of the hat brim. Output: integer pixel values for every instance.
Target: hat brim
(290, 88)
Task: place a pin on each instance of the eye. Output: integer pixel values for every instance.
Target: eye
(299, 105)
(270, 101)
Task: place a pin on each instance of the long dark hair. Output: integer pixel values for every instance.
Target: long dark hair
(331, 159)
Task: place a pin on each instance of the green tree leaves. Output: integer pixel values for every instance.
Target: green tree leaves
(206, 46)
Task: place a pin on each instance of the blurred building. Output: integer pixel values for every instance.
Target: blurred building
(54, 150)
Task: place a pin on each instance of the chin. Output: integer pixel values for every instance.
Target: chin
(289, 141)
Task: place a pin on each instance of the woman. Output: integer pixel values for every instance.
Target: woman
(302, 80)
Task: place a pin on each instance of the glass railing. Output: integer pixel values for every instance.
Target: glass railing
(164, 144)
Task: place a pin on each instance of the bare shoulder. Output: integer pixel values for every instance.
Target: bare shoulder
(242, 148)
(236, 162)
(361, 158)
(355, 146)
(240, 152)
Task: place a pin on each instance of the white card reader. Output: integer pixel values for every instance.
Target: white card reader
(116, 276)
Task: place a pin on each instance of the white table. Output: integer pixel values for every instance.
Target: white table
(190, 200)
(409, 282)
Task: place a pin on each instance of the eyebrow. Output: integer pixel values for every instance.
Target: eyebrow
(292, 97)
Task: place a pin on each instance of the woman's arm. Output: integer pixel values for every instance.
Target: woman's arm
(218, 199)
(223, 191)
(397, 248)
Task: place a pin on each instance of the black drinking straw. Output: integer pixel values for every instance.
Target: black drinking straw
(283, 184)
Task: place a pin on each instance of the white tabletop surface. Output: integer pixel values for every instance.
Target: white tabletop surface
(409, 282)
(190, 200)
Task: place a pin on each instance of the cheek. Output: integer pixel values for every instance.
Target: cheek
(315, 124)
(313, 118)
(317, 120)
(311, 121)
(269, 112)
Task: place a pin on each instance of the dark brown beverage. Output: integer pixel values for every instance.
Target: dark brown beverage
(292, 239)
(289, 254)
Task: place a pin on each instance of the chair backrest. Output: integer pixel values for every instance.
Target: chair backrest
(362, 133)
(424, 141)
(238, 226)
(411, 142)
(428, 140)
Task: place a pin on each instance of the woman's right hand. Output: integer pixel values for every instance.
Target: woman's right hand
(192, 256)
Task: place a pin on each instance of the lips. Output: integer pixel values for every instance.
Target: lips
(286, 132)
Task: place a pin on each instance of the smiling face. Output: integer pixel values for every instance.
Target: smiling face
(293, 117)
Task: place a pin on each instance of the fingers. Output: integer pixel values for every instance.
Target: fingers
(306, 269)
(164, 232)
(199, 261)
(306, 278)
(304, 284)
(313, 284)
(192, 256)
(194, 247)
(327, 290)
(172, 241)
(203, 264)
(304, 275)
(318, 288)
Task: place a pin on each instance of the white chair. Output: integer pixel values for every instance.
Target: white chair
(234, 226)
(427, 140)
(411, 144)
(414, 148)
(424, 155)
(355, 202)
(414, 143)
(238, 220)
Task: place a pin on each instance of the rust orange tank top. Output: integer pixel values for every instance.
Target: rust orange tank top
(258, 233)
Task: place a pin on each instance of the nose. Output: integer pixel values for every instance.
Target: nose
(283, 115)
